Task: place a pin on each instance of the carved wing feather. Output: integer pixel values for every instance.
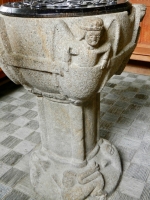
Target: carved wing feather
(62, 34)
(113, 32)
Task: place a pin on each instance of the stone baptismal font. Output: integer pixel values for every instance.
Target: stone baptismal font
(64, 52)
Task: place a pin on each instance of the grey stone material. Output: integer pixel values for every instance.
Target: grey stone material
(66, 62)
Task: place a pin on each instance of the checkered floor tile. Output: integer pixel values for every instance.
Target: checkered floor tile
(125, 121)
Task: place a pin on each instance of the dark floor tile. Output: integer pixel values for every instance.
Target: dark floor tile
(121, 104)
(145, 86)
(27, 96)
(141, 96)
(105, 125)
(16, 195)
(104, 134)
(144, 91)
(30, 114)
(126, 154)
(140, 81)
(108, 101)
(9, 117)
(144, 147)
(134, 107)
(10, 142)
(146, 193)
(12, 177)
(4, 190)
(125, 99)
(102, 95)
(112, 85)
(138, 172)
(33, 124)
(117, 92)
(8, 108)
(12, 158)
(29, 104)
(116, 110)
(110, 117)
(10, 128)
(128, 94)
(7, 99)
(34, 137)
(132, 89)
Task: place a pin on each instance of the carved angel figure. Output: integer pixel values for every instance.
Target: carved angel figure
(86, 50)
(89, 51)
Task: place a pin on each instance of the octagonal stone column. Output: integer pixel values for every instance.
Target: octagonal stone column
(66, 62)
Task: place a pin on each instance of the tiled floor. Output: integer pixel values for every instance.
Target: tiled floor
(125, 121)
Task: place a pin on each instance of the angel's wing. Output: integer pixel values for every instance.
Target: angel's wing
(113, 33)
(61, 41)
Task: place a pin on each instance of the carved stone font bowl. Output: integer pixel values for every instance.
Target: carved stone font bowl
(66, 61)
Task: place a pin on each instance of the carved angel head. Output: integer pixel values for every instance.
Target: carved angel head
(92, 37)
(93, 28)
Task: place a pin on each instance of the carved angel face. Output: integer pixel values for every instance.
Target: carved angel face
(93, 37)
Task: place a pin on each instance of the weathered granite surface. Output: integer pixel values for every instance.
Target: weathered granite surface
(66, 63)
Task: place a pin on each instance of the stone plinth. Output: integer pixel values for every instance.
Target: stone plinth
(66, 62)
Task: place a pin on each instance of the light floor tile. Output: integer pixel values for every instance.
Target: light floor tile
(3, 151)
(4, 190)
(21, 121)
(131, 187)
(24, 147)
(20, 111)
(3, 168)
(22, 132)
